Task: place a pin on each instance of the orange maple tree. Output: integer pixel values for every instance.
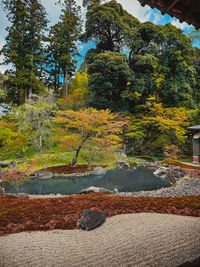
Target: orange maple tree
(101, 127)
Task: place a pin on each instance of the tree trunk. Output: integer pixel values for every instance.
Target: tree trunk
(65, 84)
(78, 150)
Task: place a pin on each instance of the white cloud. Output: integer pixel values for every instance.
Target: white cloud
(182, 26)
(135, 9)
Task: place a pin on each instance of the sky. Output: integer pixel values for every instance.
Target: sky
(132, 6)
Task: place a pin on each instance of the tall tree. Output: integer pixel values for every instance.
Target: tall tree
(109, 78)
(63, 44)
(108, 24)
(161, 58)
(24, 47)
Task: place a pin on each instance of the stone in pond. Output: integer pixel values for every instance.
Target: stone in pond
(91, 219)
(123, 165)
(162, 172)
(99, 170)
(93, 189)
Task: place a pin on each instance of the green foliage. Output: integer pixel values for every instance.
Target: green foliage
(93, 154)
(109, 76)
(161, 58)
(11, 140)
(35, 118)
(2, 89)
(78, 93)
(159, 128)
(133, 163)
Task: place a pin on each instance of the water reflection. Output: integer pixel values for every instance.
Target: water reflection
(125, 181)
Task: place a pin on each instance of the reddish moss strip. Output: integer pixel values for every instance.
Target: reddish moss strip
(24, 214)
(69, 169)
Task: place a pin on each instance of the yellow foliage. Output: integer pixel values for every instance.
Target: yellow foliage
(101, 127)
(71, 141)
(170, 121)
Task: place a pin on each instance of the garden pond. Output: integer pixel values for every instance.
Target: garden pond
(124, 180)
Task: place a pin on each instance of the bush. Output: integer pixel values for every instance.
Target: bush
(133, 163)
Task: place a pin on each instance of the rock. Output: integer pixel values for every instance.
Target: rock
(99, 170)
(170, 172)
(93, 189)
(42, 175)
(91, 219)
(12, 164)
(152, 166)
(177, 173)
(116, 191)
(4, 164)
(2, 191)
(162, 172)
(123, 165)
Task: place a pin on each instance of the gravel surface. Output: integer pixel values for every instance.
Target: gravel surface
(183, 187)
(129, 240)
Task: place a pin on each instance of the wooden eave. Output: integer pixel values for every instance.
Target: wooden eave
(184, 10)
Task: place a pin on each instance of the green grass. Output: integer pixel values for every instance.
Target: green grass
(58, 157)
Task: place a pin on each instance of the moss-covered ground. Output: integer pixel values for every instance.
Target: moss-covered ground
(25, 214)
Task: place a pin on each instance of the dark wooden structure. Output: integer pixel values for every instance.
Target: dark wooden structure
(184, 10)
(195, 131)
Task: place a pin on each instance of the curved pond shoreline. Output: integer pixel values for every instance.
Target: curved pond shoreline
(183, 187)
(132, 180)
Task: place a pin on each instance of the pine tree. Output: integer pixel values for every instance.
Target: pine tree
(24, 47)
(63, 44)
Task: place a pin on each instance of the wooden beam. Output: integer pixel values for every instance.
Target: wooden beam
(171, 4)
(188, 13)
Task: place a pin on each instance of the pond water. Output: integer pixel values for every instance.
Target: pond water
(125, 181)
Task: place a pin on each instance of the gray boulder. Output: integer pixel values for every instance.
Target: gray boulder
(2, 191)
(123, 165)
(91, 219)
(171, 172)
(116, 191)
(93, 189)
(42, 175)
(99, 170)
(162, 172)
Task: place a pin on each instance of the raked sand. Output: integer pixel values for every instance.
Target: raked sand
(141, 240)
